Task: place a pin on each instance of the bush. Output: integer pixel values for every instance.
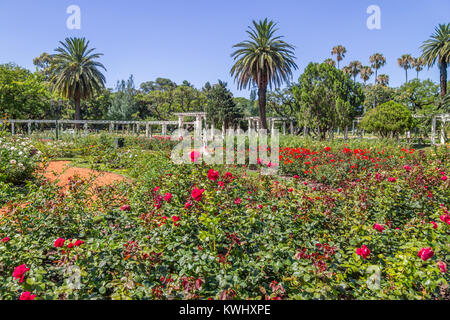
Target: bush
(387, 119)
(18, 160)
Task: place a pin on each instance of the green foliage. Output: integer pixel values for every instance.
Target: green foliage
(75, 72)
(417, 94)
(284, 239)
(326, 98)
(23, 94)
(390, 118)
(374, 95)
(123, 102)
(220, 105)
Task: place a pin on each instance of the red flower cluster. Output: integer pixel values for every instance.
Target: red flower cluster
(197, 194)
(378, 227)
(27, 296)
(213, 175)
(363, 251)
(19, 272)
(6, 239)
(425, 253)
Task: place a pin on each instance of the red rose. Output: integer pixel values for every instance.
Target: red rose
(425, 253)
(70, 245)
(213, 175)
(443, 178)
(27, 296)
(238, 201)
(126, 207)
(78, 243)
(167, 197)
(363, 251)
(445, 218)
(6, 239)
(59, 242)
(187, 205)
(197, 194)
(434, 224)
(19, 272)
(378, 227)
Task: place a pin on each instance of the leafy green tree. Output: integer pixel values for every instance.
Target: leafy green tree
(220, 105)
(264, 60)
(159, 99)
(23, 94)
(124, 105)
(375, 95)
(160, 84)
(437, 49)
(388, 119)
(281, 103)
(417, 94)
(248, 107)
(326, 98)
(75, 72)
(340, 52)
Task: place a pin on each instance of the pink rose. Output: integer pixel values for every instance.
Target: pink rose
(442, 266)
(378, 227)
(126, 207)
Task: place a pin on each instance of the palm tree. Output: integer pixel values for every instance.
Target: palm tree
(330, 61)
(340, 52)
(263, 60)
(437, 48)
(418, 64)
(383, 79)
(75, 71)
(365, 73)
(405, 62)
(355, 68)
(346, 70)
(377, 60)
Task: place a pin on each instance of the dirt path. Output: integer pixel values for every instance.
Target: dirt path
(60, 170)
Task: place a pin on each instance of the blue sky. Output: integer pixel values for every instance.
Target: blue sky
(192, 40)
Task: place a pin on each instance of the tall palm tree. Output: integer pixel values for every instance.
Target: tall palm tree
(365, 73)
(383, 79)
(75, 71)
(340, 52)
(405, 62)
(437, 48)
(377, 60)
(355, 67)
(418, 64)
(263, 60)
(330, 61)
(346, 70)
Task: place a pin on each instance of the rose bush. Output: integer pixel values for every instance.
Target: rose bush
(196, 231)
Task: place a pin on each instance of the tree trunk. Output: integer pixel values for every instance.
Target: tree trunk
(77, 108)
(262, 90)
(406, 73)
(443, 71)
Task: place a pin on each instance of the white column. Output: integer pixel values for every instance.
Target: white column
(433, 131)
(164, 129)
(442, 131)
